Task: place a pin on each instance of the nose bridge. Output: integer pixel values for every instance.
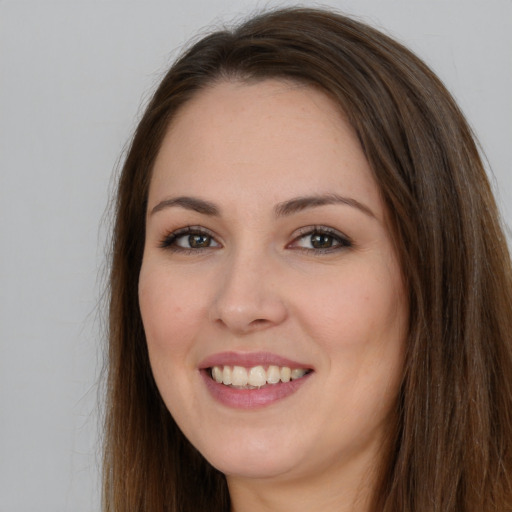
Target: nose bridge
(249, 296)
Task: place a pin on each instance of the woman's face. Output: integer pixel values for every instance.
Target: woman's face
(268, 264)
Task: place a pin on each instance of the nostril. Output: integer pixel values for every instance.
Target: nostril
(258, 323)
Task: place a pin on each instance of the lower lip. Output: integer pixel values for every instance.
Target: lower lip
(251, 398)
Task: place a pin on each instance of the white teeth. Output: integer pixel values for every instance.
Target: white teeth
(285, 374)
(273, 374)
(227, 375)
(239, 376)
(256, 376)
(217, 374)
(297, 373)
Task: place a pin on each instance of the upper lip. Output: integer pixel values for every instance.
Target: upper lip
(249, 359)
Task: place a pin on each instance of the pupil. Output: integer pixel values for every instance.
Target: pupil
(321, 241)
(198, 241)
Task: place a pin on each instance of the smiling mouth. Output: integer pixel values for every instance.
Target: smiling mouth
(255, 377)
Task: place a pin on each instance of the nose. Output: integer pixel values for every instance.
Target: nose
(249, 296)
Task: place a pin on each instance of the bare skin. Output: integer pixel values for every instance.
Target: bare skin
(266, 234)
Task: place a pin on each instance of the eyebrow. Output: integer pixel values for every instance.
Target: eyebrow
(301, 203)
(283, 209)
(189, 203)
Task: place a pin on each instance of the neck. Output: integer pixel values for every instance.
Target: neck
(350, 489)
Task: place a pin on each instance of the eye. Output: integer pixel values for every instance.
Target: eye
(320, 239)
(189, 239)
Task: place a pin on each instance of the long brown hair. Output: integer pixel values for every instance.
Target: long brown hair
(451, 448)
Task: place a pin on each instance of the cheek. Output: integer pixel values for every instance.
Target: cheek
(360, 324)
(358, 305)
(171, 310)
(171, 315)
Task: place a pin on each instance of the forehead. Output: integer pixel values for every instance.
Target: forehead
(271, 137)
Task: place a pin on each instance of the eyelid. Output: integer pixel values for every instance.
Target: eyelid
(344, 241)
(168, 240)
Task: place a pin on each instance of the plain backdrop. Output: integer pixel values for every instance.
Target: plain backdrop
(73, 77)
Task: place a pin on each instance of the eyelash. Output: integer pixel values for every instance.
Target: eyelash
(169, 241)
(340, 240)
(337, 238)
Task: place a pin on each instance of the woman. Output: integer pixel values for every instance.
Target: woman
(311, 291)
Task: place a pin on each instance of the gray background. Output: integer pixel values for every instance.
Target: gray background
(73, 75)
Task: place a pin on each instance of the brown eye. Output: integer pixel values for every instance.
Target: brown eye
(195, 241)
(189, 239)
(321, 240)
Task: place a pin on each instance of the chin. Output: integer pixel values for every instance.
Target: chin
(259, 468)
(248, 457)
